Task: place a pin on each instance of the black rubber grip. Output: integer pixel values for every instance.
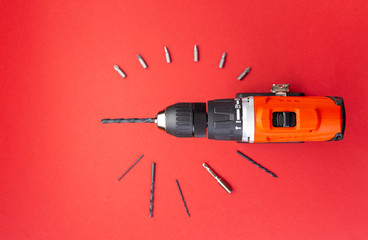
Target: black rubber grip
(222, 124)
(199, 120)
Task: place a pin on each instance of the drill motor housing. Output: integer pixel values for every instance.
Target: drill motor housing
(278, 116)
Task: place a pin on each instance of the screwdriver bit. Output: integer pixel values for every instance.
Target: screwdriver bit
(244, 73)
(167, 55)
(219, 180)
(196, 58)
(257, 164)
(143, 63)
(222, 61)
(118, 69)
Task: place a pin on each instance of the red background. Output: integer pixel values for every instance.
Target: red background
(60, 165)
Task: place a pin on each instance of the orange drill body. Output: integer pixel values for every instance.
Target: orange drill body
(316, 119)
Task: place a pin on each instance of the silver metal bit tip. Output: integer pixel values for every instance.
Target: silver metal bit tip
(244, 73)
(196, 58)
(167, 55)
(222, 61)
(118, 69)
(222, 183)
(140, 59)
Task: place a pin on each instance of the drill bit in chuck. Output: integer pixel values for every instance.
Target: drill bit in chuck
(129, 120)
(223, 184)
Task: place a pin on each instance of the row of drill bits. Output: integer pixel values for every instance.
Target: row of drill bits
(168, 60)
(222, 182)
(153, 172)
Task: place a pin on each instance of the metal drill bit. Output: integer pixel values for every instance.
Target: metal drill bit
(244, 73)
(222, 61)
(129, 120)
(196, 53)
(219, 180)
(257, 164)
(140, 59)
(152, 188)
(118, 69)
(182, 197)
(131, 167)
(167, 55)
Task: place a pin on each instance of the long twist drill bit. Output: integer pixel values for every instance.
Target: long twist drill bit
(131, 167)
(129, 120)
(257, 164)
(182, 198)
(219, 180)
(152, 188)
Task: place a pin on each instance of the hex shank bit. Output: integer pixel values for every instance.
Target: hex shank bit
(244, 73)
(143, 63)
(120, 71)
(196, 57)
(219, 180)
(167, 55)
(222, 61)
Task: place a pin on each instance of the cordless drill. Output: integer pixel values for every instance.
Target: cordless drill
(278, 116)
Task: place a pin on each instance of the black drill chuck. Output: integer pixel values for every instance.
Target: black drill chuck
(186, 120)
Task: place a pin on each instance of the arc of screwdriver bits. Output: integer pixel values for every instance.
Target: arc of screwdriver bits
(131, 167)
(182, 197)
(128, 120)
(244, 73)
(222, 61)
(257, 164)
(196, 58)
(167, 55)
(120, 71)
(141, 60)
